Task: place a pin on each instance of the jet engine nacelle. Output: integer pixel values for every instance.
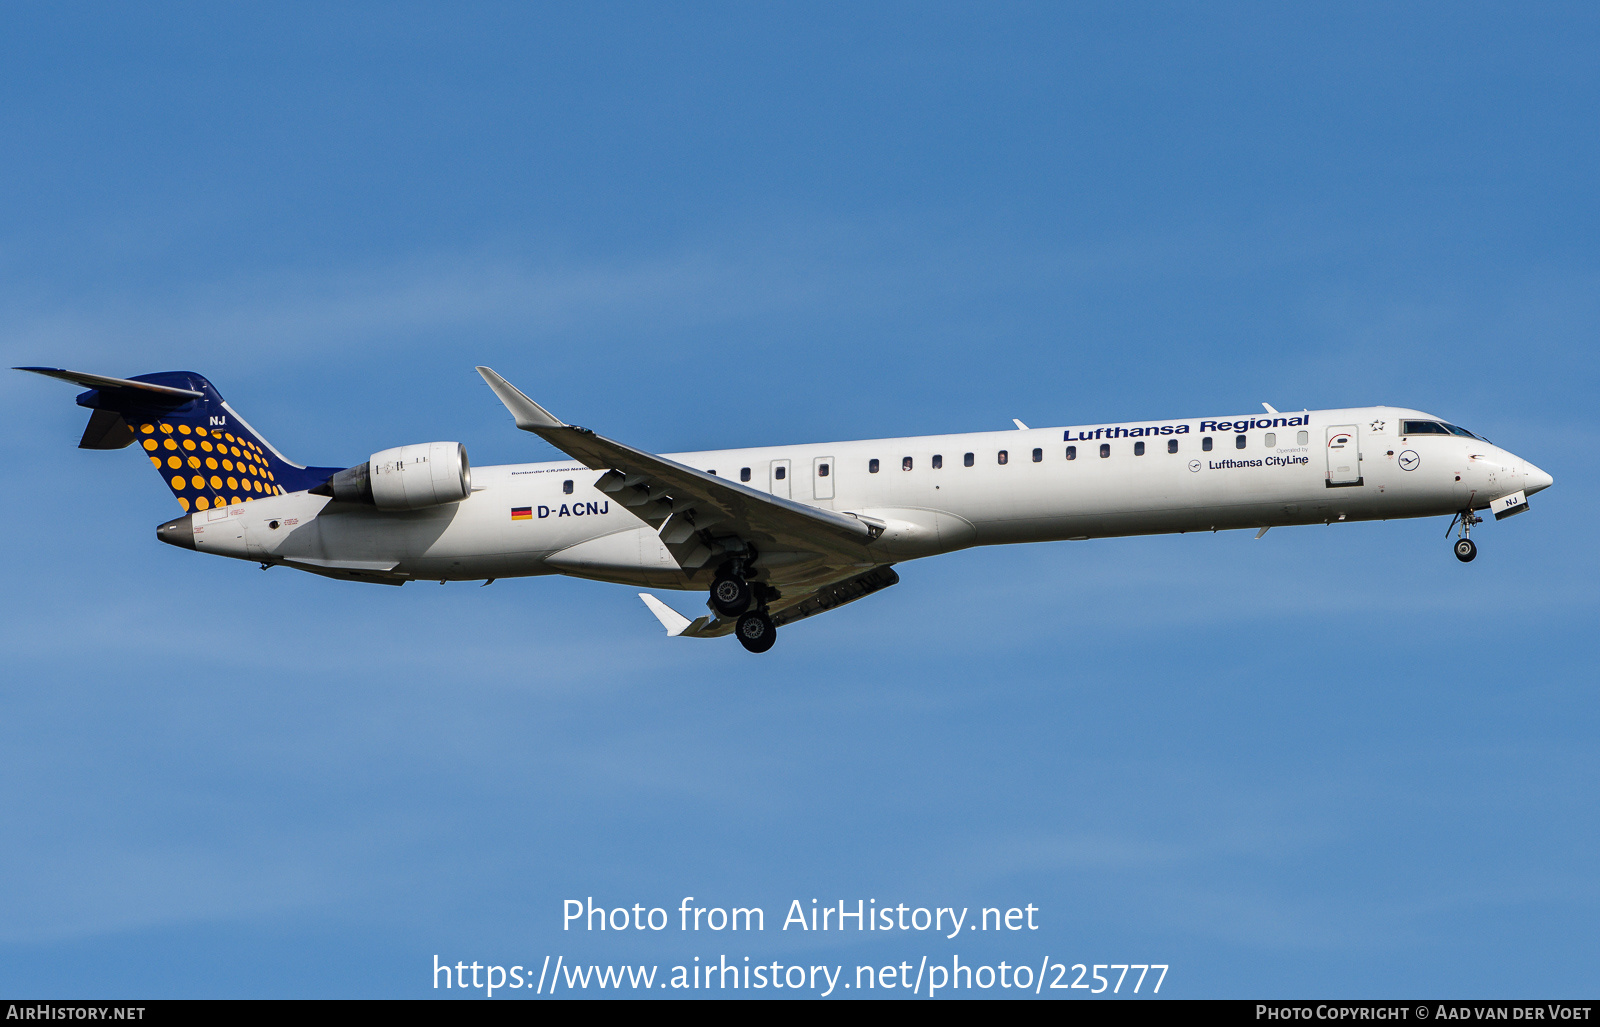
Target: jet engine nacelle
(406, 478)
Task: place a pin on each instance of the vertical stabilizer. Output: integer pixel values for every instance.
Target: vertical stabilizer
(206, 454)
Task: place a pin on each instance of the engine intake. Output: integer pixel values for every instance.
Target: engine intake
(405, 478)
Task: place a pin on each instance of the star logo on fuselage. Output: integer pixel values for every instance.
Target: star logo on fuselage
(1376, 425)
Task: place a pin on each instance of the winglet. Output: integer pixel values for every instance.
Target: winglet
(1269, 408)
(528, 414)
(1019, 424)
(675, 622)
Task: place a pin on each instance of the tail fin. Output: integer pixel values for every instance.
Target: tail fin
(204, 451)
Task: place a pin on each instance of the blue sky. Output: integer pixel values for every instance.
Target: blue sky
(1332, 762)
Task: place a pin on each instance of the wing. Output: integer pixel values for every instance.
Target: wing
(692, 510)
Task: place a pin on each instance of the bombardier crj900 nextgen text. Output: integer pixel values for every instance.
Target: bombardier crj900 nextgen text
(778, 533)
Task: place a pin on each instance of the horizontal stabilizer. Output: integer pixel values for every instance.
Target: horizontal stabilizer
(100, 381)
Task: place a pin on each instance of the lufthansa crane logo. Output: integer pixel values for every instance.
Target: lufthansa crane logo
(1409, 460)
(1194, 465)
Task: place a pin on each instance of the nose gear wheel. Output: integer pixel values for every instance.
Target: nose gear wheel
(1466, 549)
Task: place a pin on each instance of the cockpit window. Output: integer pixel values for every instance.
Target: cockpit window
(1436, 428)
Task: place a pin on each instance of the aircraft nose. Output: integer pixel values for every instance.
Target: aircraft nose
(1537, 480)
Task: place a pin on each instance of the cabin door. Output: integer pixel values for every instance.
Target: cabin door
(779, 481)
(1344, 455)
(822, 477)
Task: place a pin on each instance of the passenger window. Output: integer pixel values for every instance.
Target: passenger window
(967, 460)
(780, 473)
(1004, 456)
(1238, 441)
(1138, 448)
(1302, 438)
(566, 486)
(1038, 455)
(1172, 445)
(905, 464)
(872, 466)
(1072, 452)
(744, 474)
(822, 470)
(1270, 440)
(1205, 443)
(938, 461)
(1105, 450)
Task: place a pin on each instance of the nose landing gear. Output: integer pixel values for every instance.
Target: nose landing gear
(1465, 548)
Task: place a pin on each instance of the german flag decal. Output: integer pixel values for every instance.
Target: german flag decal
(522, 513)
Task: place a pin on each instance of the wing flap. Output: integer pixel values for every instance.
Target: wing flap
(803, 603)
(834, 595)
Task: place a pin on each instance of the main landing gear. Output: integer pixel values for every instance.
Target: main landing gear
(756, 631)
(1466, 549)
(734, 596)
(730, 595)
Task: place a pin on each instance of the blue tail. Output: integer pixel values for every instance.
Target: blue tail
(204, 451)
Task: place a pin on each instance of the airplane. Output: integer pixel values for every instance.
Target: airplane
(776, 534)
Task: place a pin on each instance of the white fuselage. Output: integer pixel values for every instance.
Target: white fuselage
(1308, 467)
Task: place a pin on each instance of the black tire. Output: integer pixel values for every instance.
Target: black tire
(1466, 549)
(756, 631)
(730, 596)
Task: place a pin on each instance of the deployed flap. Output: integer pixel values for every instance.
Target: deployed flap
(106, 430)
(680, 500)
(829, 597)
(803, 603)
